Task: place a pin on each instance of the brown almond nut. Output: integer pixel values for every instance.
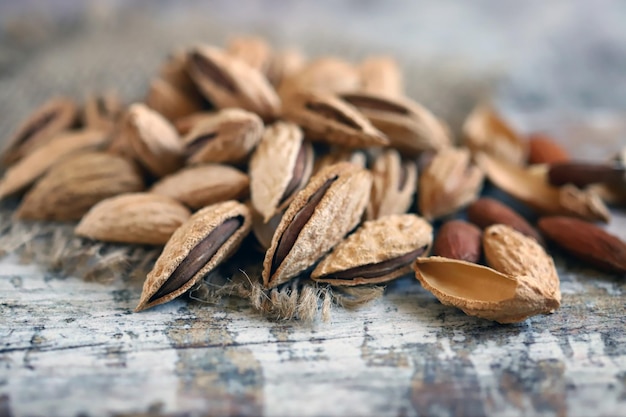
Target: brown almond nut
(325, 74)
(253, 50)
(324, 117)
(457, 239)
(448, 183)
(486, 131)
(339, 154)
(283, 64)
(378, 251)
(279, 167)
(381, 75)
(184, 124)
(486, 211)
(228, 136)
(317, 219)
(52, 117)
(229, 82)
(29, 169)
(483, 292)
(586, 241)
(153, 140)
(582, 174)
(512, 253)
(170, 101)
(542, 149)
(394, 182)
(102, 111)
(203, 185)
(173, 70)
(534, 190)
(76, 184)
(410, 127)
(195, 249)
(141, 218)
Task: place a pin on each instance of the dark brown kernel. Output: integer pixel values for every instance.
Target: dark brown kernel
(332, 113)
(213, 72)
(290, 235)
(198, 257)
(379, 269)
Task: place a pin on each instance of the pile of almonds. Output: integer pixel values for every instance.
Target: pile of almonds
(326, 164)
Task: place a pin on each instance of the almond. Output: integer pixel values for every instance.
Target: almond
(133, 218)
(71, 188)
(586, 241)
(486, 211)
(582, 174)
(542, 149)
(458, 239)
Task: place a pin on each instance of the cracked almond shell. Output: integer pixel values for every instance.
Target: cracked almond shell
(280, 166)
(141, 218)
(227, 136)
(381, 75)
(196, 248)
(531, 187)
(227, 81)
(410, 127)
(154, 141)
(317, 219)
(481, 291)
(52, 117)
(326, 118)
(102, 111)
(72, 187)
(394, 182)
(513, 253)
(203, 185)
(378, 251)
(36, 163)
(486, 131)
(449, 182)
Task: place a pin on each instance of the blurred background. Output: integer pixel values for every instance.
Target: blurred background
(557, 66)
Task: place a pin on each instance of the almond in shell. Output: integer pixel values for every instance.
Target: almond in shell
(141, 218)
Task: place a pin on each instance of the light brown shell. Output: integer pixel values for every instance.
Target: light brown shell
(376, 241)
(325, 74)
(35, 164)
(486, 131)
(272, 164)
(141, 218)
(381, 74)
(531, 187)
(230, 82)
(72, 187)
(203, 185)
(338, 154)
(513, 253)
(65, 111)
(171, 101)
(481, 291)
(236, 132)
(388, 196)
(448, 183)
(410, 127)
(283, 64)
(153, 140)
(264, 230)
(102, 111)
(184, 239)
(253, 50)
(324, 117)
(338, 212)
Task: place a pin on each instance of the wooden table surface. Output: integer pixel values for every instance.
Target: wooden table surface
(71, 347)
